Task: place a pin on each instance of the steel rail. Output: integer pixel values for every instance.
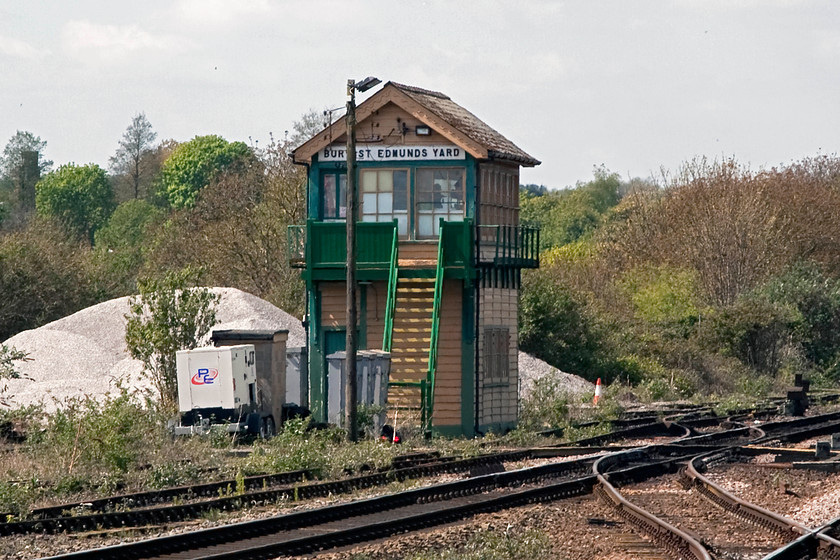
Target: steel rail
(815, 543)
(673, 539)
(179, 512)
(782, 526)
(581, 482)
(141, 499)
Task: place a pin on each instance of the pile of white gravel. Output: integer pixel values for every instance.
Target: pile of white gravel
(85, 353)
(531, 369)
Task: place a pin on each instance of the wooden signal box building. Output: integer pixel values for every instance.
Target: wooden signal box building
(439, 255)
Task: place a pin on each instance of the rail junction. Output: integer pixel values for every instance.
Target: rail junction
(689, 444)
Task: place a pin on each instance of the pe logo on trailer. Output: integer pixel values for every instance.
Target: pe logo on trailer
(204, 376)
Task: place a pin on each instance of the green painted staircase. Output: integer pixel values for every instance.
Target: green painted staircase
(410, 343)
(412, 317)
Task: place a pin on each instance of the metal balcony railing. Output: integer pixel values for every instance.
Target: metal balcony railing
(509, 246)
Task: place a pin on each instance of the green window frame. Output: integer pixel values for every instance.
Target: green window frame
(334, 196)
(439, 193)
(384, 197)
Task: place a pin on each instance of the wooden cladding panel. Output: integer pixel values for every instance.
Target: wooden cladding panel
(333, 304)
(418, 251)
(334, 309)
(448, 376)
(376, 294)
(499, 197)
(387, 125)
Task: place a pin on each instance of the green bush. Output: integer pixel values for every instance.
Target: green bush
(168, 315)
(80, 196)
(556, 327)
(16, 497)
(663, 296)
(753, 330)
(297, 447)
(97, 437)
(547, 406)
(194, 164)
(814, 301)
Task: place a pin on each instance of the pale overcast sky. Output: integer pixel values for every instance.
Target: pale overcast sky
(632, 85)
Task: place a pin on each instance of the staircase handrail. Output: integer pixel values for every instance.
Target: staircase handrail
(390, 304)
(429, 404)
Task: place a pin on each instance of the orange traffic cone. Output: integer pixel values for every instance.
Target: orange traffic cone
(597, 392)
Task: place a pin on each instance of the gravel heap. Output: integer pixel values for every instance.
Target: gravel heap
(531, 369)
(85, 353)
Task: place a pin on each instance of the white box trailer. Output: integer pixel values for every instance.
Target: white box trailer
(218, 385)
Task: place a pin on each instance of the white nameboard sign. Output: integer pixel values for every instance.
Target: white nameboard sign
(366, 152)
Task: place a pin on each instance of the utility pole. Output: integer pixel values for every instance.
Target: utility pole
(351, 346)
(350, 349)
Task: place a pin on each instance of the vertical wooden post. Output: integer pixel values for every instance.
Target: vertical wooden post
(350, 219)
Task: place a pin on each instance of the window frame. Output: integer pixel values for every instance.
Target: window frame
(496, 355)
(435, 213)
(392, 215)
(338, 189)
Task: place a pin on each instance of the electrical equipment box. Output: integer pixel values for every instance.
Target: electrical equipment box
(216, 377)
(218, 385)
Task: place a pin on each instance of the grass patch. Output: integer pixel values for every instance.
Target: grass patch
(495, 545)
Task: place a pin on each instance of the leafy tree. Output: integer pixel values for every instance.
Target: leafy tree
(168, 315)
(194, 164)
(21, 167)
(12, 157)
(308, 125)
(734, 227)
(237, 228)
(45, 274)
(662, 296)
(815, 298)
(131, 159)
(532, 190)
(8, 370)
(121, 242)
(79, 196)
(570, 215)
(554, 326)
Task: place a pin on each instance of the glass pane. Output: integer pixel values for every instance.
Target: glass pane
(402, 224)
(368, 181)
(342, 196)
(400, 190)
(386, 181)
(369, 218)
(424, 225)
(385, 218)
(436, 224)
(369, 203)
(328, 198)
(385, 202)
(424, 181)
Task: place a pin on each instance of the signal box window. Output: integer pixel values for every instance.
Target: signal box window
(440, 194)
(334, 196)
(385, 197)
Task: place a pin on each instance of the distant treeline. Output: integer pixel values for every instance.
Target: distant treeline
(715, 278)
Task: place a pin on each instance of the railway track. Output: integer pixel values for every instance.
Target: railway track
(188, 502)
(375, 518)
(684, 544)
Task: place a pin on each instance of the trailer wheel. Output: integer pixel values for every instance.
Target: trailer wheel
(267, 429)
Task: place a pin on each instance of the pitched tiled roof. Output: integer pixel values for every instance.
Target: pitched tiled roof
(498, 146)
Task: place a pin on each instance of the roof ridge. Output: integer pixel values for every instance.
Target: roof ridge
(421, 91)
